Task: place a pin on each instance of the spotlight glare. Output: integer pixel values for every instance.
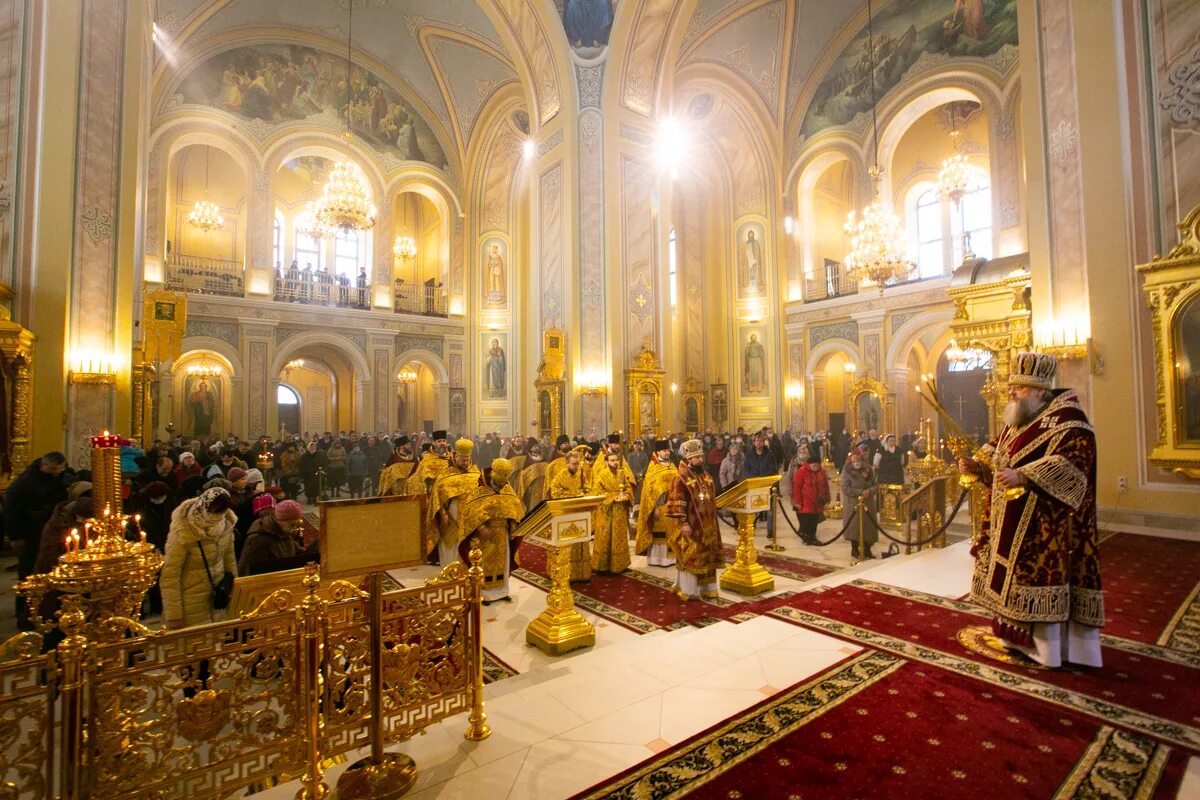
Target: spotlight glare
(529, 149)
(671, 145)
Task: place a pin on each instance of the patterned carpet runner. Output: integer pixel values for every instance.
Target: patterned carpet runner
(798, 569)
(878, 725)
(1143, 687)
(1152, 590)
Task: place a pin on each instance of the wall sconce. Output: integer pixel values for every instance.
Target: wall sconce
(851, 368)
(93, 367)
(592, 383)
(407, 376)
(789, 224)
(794, 391)
(674, 388)
(1070, 343)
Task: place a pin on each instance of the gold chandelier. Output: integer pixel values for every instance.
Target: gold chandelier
(205, 215)
(405, 248)
(309, 225)
(407, 375)
(204, 370)
(877, 242)
(955, 175)
(346, 200)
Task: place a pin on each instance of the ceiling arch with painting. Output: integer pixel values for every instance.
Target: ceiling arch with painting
(424, 70)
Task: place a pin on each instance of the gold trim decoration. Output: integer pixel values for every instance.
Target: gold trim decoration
(746, 576)
(1172, 288)
(644, 378)
(551, 384)
(866, 385)
(16, 347)
(980, 640)
(694, 390)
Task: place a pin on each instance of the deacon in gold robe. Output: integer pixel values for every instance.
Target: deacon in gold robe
(653, 525)
(697, 539)
(588, 463)
(456, 482)
(568, 482)
(531, 486)
(514, 451)
(433, 463)
(393, 479)
(613, 447)
(491, 514)
(610, 520)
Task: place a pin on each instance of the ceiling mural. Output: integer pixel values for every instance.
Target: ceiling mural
(750, 45)
(279, 83)
(904, 32)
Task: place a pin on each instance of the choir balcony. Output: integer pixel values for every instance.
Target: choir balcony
(828, 281)
(225, 278)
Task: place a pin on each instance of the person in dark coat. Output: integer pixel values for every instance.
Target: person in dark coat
(28, 505)
(311, 461)
(272, 537)
(155, 504)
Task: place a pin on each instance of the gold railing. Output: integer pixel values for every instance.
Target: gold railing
(424, 299)
(922, 512)
(209, 710)
(322, 289)
(829, 280)
(204, 275)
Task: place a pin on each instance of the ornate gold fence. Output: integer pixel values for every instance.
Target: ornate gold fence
(207, 711)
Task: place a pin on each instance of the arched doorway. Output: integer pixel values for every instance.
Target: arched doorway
(415, 399)
(288, 400)
(960, 385)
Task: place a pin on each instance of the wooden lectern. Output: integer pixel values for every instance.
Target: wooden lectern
(747, 499)
(560, 523)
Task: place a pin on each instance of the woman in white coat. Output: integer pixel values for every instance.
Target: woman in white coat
(202, 522)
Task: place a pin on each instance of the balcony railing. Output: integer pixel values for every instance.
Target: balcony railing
(426, 299)
(829, 280)
(204, 275)
(322, 289)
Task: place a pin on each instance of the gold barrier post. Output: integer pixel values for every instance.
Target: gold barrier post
(382, 776)
(477, 727)
(311, 611)
(774, 546)
(859, 507)
(71, 654)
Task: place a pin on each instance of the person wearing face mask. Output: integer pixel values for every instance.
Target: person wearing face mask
(696, 540)
(889, 462)
(155, 503)
(810, 494)
(395, 475)
(654, 526)
(188, 468)
(272, 537)
(310, 461)
(858, 480)
(199, 553)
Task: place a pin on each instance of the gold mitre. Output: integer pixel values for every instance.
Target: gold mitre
(1033, 369)
(579, 450)
(501, 469)
(464, 447)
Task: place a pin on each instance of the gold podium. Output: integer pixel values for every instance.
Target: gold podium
(560, 523)
(747, 499)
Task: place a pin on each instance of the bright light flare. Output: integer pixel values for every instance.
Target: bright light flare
(671, 145)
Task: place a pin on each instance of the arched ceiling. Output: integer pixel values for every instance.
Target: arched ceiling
(444, 57)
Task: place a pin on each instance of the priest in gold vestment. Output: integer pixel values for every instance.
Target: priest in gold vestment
(491, 514)
(393, 479)
(457, 481)
(697, 539)
(653, 524)
(568, 481)
(610, 520)
(531, 486)
(613, 446)
(429, 468)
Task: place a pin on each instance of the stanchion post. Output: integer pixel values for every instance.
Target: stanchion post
(310, 611)
(774, 546)
(859, 508)
(477, 727)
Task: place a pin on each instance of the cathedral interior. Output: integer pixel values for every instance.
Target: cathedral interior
(269, 218)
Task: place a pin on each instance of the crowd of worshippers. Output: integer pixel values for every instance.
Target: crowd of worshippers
(197, 491)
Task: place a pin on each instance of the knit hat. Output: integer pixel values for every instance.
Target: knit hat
(262, 502)
(236, 474)
(275, 491)
(1033, 369)
(157, 489)
(288, 511)
(186, 456)
(253, 477)
(693, 448)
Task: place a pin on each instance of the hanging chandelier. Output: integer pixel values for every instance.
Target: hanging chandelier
(407, 375)
(955, 175)
(308, 224)
(204, 370)
(878, 245)
(205, 215)
(405, 248)
(346, 199)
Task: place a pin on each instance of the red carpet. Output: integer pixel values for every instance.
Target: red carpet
(1129, 689)
(1149, 583)
(798, 569)
(880, 726)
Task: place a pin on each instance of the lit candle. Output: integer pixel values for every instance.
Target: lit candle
(137, 522)
(67, 541)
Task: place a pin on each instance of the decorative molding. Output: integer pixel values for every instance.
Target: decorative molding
(591, 82)
(257, 387)
(1063, 141)
(406, 343)
(898, 320)
(1181, 96)
(837, 330)
(634, 134)
(551, 142)
(225, 331)
(97, 223)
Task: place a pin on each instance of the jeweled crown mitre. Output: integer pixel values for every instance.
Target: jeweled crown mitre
(1033, 369)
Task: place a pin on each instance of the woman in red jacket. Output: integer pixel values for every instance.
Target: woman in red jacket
(810, 493)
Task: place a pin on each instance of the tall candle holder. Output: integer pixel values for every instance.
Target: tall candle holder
(103, 573)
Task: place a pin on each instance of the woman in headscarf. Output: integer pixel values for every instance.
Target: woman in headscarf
(201, 530)
(858, 480)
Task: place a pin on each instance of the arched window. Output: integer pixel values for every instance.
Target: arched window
(286, 396)
(938, 228)
(277, 239)
(349, 252)
(308, 251)
(672, 267)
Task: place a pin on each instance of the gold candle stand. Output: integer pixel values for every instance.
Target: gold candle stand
(747, 499)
